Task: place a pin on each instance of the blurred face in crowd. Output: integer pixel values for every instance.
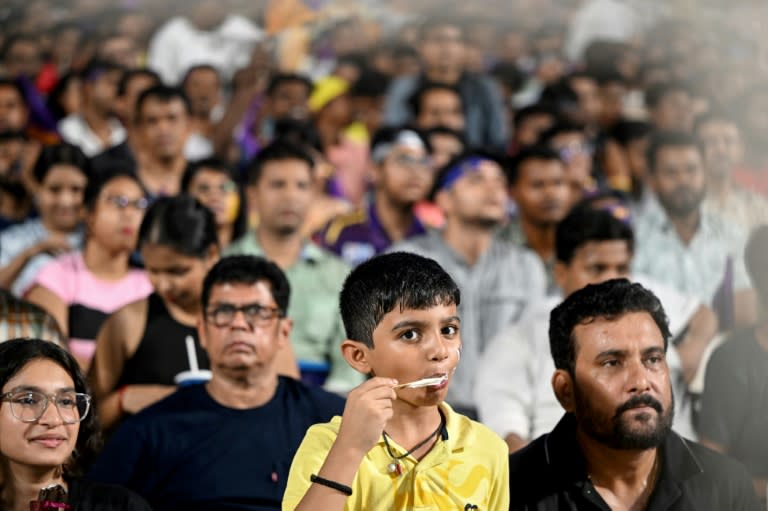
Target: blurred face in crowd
(13, 109)
(612, 98)
(678, 179)
(590, 103)
(369, 110)
(405, 175)
(125, 105)
(576, 152)
(203, 87)
(636, 157)
(441, 107)
(592, 263)
(164, 127)
(478, 197)
(216, 191)
(289, 100)
(541, 192)
(60, 197)
(443, 48)
(722, 146)
(674, 112)
(11, 150)
(114, 219)
(208, 14)
(244, 343)
(177, 278)
(24, 58)
(444, 148)
(282, 195)
(531, 127)
(101, 91)
(121, 50)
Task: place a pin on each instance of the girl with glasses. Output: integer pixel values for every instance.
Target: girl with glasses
(48, 431)
(80, 289)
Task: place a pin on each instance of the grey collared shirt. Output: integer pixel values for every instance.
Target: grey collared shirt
(494, 293)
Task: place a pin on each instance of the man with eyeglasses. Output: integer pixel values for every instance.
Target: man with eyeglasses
(226, 444)
(402, 177)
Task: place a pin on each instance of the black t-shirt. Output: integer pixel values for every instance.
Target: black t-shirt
(734, 405)
(90, 496)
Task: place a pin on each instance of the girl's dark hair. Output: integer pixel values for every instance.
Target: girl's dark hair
(54, 103)
(240, 225)
(61, 154)
(99, 180)
(180, 223)
(15, 354)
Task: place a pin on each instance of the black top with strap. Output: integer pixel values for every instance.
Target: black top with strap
(162, 351)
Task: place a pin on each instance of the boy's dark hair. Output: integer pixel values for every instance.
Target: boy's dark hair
(15, 85)
(656, 92)
(180, 223)
(371, 84)
(585, 224)
(560, 127)
(17, 353)
(534, 152)
(531, 110)
(99, 180)
(399, 279)
(61, 154)
(625, 132)
(663, 139)
(277, 151)
(415, 101)
(122, 85)
(248, 270)
(96, 68)
(509, 74)
(609, 300)
(485, 154)
(280, 78)
(390, 135)
(164, 94)
(198, 67)
(445, 130)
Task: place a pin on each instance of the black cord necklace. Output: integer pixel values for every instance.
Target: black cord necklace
(394, 467)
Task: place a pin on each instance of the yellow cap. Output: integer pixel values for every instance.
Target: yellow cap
(326, 90)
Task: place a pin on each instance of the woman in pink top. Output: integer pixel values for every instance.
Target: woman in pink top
(80, 289)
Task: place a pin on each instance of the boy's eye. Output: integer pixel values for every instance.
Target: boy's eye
(450, 330)
(410, 335)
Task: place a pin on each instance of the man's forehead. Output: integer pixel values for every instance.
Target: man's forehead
(241, 290)
(597, 333)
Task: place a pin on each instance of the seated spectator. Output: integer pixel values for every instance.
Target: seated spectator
(445, 144)
(734, 405)
(66, 98)
(367, 95)
(61, 175)
(498, 279)
(80, 289)
(95, 128)
(213, 184)
(202, 85)
(570, 141)
(402, 177)
(400, 314)
(14, 113)
(695, 251)
(19, 318)
(50, 432)
(538, 185)
(614, 447)
(436, 104)
(669, 107)
(513, 389)
(280, 190)
(529, 123)
(226, 444)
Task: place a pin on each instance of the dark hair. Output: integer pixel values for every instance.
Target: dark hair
(122, 85)
(198, 67)
(560, 95)
(15, 354)
(99, 180)
(15, 85)
(390, 134)
(14, 39)
(300, 132)
(248, 270)
(609, 300)
(486, 154)
(509, 74)
(656, 92)
(371, 84)
(96, 67)
(280, 78)
(54, 97)
(714, 116)
(415, 101)
(663, 139)
(164, 94)
(445, 130)
(277, 151)
(625, 132)
(754, 257)
(240, 225)
(532, 110)
(585, 224)
(560, 127)
(180, 223)
(534, 152)
(399, 279)
(61, 154)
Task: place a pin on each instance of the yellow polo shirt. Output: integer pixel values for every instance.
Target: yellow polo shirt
(468, 466)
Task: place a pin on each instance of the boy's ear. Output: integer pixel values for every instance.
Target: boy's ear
(356, 355)
(562, 385)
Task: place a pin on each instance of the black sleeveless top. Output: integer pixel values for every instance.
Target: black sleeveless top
(162, 351)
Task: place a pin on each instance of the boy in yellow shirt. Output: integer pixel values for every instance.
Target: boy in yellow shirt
(399, 446)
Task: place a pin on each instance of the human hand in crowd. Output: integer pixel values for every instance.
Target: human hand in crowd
(134, 398)
(55, 244)
(368, 409)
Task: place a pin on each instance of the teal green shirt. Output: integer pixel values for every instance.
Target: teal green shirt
(316, 279)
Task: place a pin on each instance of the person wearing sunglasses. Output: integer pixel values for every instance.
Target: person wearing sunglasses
(49, 431)
(80, 289)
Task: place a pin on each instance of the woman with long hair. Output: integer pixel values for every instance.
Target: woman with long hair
(48, 431)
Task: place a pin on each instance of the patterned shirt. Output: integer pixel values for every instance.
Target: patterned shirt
(741, 207)
(19, 318)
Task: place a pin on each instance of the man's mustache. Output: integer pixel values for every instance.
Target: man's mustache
(637, 401)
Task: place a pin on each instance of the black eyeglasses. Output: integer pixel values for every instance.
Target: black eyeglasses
(124, 202)
(254, 314)
(30, 405)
